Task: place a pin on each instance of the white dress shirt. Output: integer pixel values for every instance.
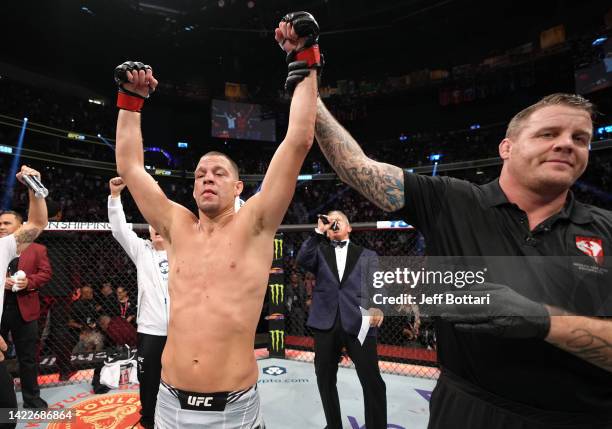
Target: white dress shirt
(152, 273)
(341, 253)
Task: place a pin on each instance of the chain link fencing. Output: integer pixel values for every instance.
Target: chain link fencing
(85, 315)
(88, 308)
(406, 342)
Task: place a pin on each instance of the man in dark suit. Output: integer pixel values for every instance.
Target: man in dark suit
(335, 317)
(22, 307)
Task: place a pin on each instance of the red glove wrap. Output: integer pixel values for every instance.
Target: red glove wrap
(311, 55)
(129, 102)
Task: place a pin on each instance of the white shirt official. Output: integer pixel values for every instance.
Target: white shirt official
(152, 273)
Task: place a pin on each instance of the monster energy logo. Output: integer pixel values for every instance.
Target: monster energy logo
(277, 293)
(278, 248)
(277, 337)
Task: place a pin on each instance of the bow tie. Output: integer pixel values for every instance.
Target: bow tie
(337, 243)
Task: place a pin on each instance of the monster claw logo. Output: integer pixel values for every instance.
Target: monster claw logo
(277, 293)
(278, 248)
(277, 338)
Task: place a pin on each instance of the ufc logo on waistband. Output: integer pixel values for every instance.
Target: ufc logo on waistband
(196, 401)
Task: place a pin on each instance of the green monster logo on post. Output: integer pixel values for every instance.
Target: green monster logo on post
(277, 337)
(277, 293)
(278, 248)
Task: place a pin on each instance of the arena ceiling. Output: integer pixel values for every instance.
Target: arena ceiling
(212, 41)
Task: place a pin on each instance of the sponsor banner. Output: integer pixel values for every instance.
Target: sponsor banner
(276, 302)
(276, 345)
(277, 293)
(278, 247)
(80, 226)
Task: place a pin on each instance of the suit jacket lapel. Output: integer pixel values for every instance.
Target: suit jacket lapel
(329, 254)
(352, 257)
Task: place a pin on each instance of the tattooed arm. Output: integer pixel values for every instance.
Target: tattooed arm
(37, 216)
(588, 338)
(382, 184)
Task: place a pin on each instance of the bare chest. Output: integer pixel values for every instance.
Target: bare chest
(208, 257)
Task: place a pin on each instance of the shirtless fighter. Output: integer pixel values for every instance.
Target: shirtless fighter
(219, 260)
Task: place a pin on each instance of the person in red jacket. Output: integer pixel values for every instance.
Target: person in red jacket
(22, 307)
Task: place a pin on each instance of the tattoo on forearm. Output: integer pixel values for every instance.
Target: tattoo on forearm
(383, 184)
(591, 348)
(26, 236)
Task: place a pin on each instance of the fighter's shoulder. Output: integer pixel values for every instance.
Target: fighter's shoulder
(181, 214)
(183, 220)
(249, 215)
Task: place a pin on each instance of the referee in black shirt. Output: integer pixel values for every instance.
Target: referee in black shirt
(551, 371)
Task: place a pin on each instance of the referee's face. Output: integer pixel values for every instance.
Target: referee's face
(551, 149)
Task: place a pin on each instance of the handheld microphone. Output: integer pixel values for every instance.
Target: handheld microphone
(34, 183)
(323, 218)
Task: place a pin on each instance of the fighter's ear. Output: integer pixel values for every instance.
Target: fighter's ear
(505, 146)
(238, 188)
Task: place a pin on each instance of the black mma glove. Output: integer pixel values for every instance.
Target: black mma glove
(128, 100)
(308, 57)
(507, 313)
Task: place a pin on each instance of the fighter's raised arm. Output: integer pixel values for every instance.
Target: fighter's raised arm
(298, 33)
(136, 82)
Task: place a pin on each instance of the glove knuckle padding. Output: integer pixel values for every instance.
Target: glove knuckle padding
(297, 65)
(121, 70)
(301, 74)
(304, 24)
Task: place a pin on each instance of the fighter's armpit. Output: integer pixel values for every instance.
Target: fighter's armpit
(26, 235)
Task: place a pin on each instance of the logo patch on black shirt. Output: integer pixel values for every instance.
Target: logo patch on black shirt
(591, 246)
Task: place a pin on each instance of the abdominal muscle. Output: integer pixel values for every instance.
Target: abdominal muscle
(209, 353)
(216, 294)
